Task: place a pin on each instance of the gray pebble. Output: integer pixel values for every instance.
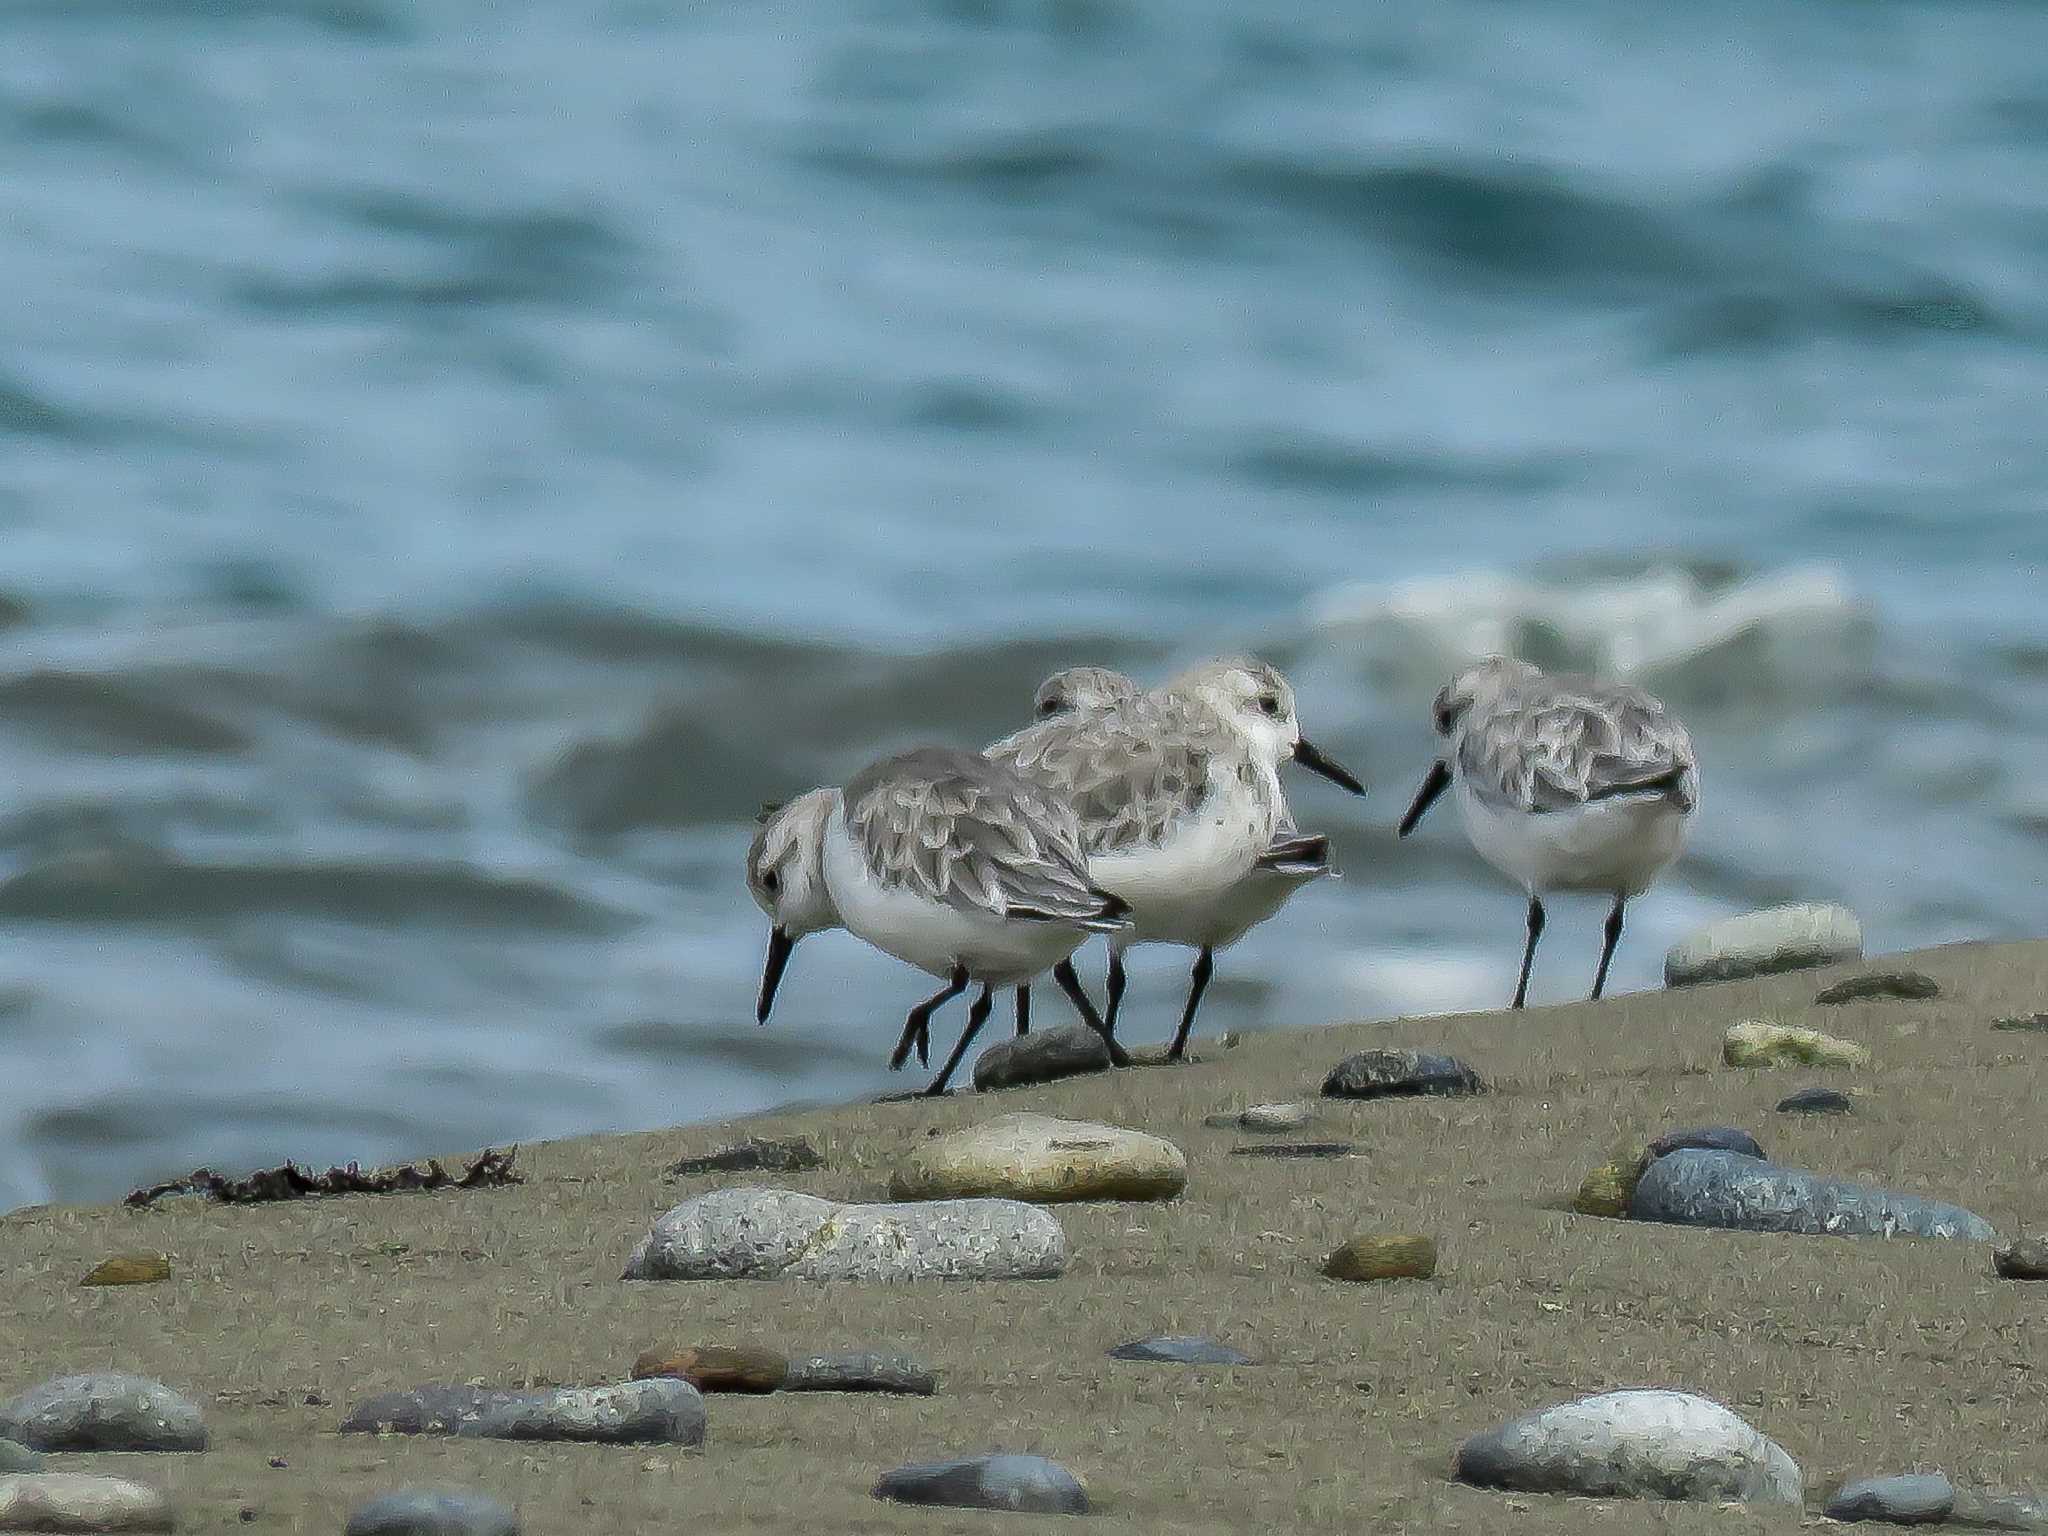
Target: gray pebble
(428, 1410)
(1918, 1498)
(1043, 1056)
(658, 1411)
(1180, 1349)
(859, 1372)
(2027, 1021)
(1817, 1101)
(103, 1411)
(1379, 1074)
(1700, 1188)
(791, 1154)
(432, 1512)
(2024, 1258)
(1990, 1511)
(1030, 1484)
(1723, 1138)
(1913, 986)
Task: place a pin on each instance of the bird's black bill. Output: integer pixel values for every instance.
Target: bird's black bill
(1311, 757)
(779, 946)
(1436, 783)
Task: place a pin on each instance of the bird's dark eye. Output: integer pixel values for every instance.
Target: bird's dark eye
(1269, 703)
(1048, 706)
(771, 882)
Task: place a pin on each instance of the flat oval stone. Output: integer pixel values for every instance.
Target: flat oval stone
(1700, 1188)
(427, 1410)
(1917, 1498)
(1384, 1073)
(1275, 1119)
(129, 1269)
(1399, 1256)
(80, 1501)
(860, 1371)
(1643, 1444)
(1754, 1043)
(2026, 1021)
(1794, 937)
(1180, 1349)
(1043, 1056)
(1042, 1160)
(432, 1512)
(103, 1411)
(1817, 1101)
(1029, 1484)
(716, 1367)
(2024, 1258)
(657, 1411)
(1913, 986)
(1724, 1138)
(1606, 1190)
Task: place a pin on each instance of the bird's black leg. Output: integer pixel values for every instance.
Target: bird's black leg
(1116, 989)
(917, 1028)
(1063, 973)
(1529, 953)
(1607, 949)
(1205, 964)
(977, 1015)
(1023, 1010)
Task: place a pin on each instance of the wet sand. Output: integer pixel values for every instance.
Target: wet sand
(1861, 1356)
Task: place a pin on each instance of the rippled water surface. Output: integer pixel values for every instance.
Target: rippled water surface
(455, 463)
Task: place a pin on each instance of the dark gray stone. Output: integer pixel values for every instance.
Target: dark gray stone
(1721, 1138)
(1297, 1149)
(791, 1154)
(658, 1411)
(103, 1411)
(2028, 1021)
(1913, 986)
(428, 1410)
(1380, 1074)
(432, 1512)
(1180, 1349)
(1030, 1484)
(2024, 1258)
(1043, 1056)
(1701, 1188)
(1817, 1101)
(15, 1457)
(1916, 1498)
(859, 1371)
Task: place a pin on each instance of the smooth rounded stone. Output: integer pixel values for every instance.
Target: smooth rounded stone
(15, 1457)
(1400, 1256)
(1722, 1138)
(428, 1410)
(1753, 1043)
(1639, 1443)
(432, 1512)
(1027, 1484)
(1991, 1511)
(1794, 937)
(658, 1411)
(129, 1269)
(1043, 1056)
(103, 1411)
(1700, 1188)
(758, 1234)
(860, 1371)
(2024, 1258)
(80, 1501)
(1911, 986)
(1043, 1160)
(1275, 1119)
(1607, 1189)
(716, 1367)
(1180, 1349)
(1817, 1101)
(1297, 1149)
(1915, 1498)
(1381, 1074)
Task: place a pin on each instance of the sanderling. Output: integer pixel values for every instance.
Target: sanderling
(1565, 784)
(945, 859)
(1182, 813)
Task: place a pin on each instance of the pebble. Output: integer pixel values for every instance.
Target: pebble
(1912, 986)
(1401, 1256)
(1298, 1149)
(1722, 1138)
(756, 1234)
(1181, 1349)
(1043, 1160)
(859, 1371)
(1606, 1190)
(658, 1411)
(1816, 1101)
(432, 1512)
(429, 1410)
(1043, 1056)
(2029, 1021)
(1638, 1443)
(103, 1411)
(1917, 1498)
(791, 1154)
(1989, 1511)
(1700, 1188)
(80, 1501)
(2024, 1258)
(1266, 1119)
(129, 1269)
(1029, 1484)
(1378, 1074)
(1795, 937)
(716, 1367)
(1754, 1043)
(15, 1457)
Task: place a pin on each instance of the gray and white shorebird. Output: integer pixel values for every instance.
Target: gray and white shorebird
(957, 864)
(1565, 783)
(1181, 808)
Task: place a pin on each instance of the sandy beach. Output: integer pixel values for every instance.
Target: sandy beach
(1861, 1356)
